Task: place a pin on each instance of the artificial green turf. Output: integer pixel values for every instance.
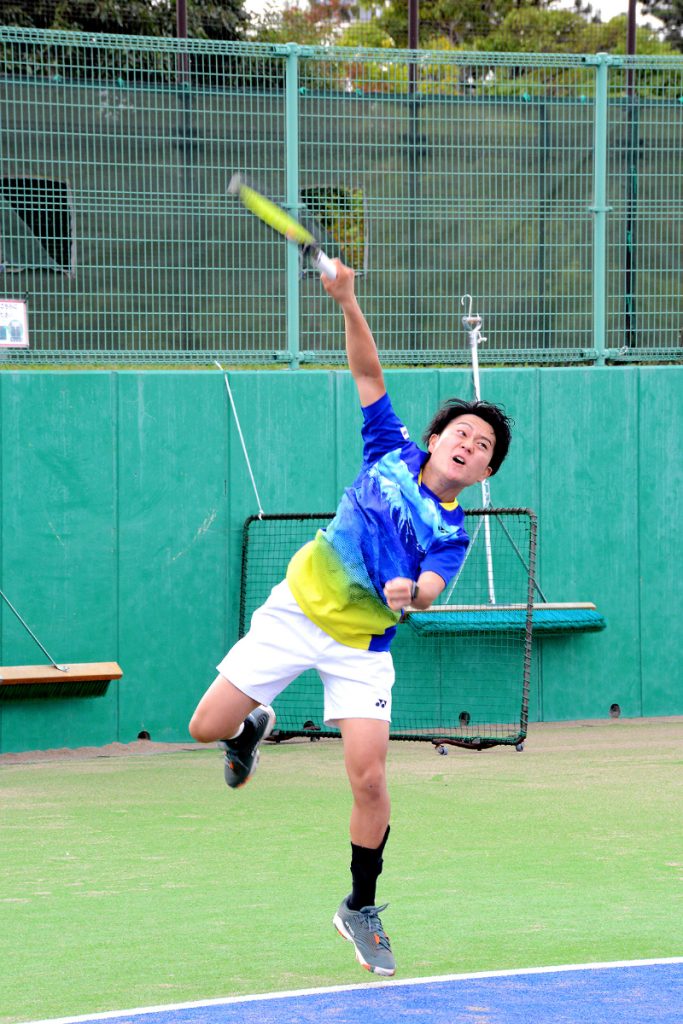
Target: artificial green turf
(140, 880)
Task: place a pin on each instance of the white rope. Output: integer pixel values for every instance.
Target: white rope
(472, 325)
(241, 436)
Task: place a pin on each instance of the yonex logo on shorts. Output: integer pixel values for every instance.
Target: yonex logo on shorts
(380, 703)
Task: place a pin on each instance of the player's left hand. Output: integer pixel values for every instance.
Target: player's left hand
(397, 592)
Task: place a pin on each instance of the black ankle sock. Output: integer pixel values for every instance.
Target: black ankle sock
(366, 867)
(245, 732)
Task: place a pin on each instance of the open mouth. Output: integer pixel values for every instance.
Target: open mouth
(459, 460)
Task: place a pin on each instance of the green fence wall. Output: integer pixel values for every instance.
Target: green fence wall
(124, 494)
(548, 186)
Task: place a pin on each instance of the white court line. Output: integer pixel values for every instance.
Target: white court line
(297, 993)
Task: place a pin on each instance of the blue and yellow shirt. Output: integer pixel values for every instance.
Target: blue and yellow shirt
(388, 524)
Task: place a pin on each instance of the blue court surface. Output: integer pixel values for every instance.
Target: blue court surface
(636, 992)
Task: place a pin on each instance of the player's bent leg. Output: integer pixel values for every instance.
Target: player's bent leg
(242, 752)
(220, 712)
(238, 723)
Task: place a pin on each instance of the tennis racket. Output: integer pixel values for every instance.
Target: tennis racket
(277, 219)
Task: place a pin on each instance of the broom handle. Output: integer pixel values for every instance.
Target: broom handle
(30, 632)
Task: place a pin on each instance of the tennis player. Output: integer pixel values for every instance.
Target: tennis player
(396, 539)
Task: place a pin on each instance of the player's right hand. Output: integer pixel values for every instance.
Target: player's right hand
(341, 289)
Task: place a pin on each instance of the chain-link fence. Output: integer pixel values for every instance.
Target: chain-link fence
(550, 188)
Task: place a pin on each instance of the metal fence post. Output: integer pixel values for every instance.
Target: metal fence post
(599, 209)
(292, 199)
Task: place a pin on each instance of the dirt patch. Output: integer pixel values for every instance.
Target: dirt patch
(137, 747)
(630, 733)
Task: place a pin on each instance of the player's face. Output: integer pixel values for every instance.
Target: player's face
(462, 451)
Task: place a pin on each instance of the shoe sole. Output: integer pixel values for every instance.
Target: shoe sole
(386, 972)
(266, 734)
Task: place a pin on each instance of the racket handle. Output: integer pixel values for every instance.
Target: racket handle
(324, 264)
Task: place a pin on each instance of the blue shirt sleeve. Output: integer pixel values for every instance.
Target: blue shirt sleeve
(382, 430)
(446, 558)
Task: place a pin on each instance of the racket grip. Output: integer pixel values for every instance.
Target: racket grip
(324, 264)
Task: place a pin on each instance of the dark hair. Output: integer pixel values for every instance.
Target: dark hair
(452, 408)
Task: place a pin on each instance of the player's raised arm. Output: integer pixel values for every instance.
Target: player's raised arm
(361, 350)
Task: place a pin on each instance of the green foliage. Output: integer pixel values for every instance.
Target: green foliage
(286, 25)
(341, 212)
(536, 30)
(457, 21)
(366, 33)
(207, 19)
(12, 13)
(216, 19)
(611, 38)
(670, 13)
(524, 29)
(529, 26)
(532, 30)
(316, 23)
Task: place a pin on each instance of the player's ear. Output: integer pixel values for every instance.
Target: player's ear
(432, 442)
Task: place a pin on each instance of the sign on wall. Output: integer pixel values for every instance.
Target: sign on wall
(13, 324)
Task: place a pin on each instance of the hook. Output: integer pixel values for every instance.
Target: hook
(471, 322)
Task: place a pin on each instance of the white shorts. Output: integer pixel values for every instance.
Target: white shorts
(282, 643)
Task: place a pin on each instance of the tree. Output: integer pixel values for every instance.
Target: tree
(287, 25)
(365, 34)
(533, 30)
(458, 21)
(315, 23)
(216, 19)
(207, 19)
(611, 38)
(670, 13)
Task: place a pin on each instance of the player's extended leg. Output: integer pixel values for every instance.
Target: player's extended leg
(365, 749)
(366, 741)
(238, 722)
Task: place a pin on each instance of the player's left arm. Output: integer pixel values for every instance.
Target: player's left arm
(420, 593)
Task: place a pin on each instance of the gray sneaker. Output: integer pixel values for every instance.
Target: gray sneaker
(242, 753)
(364, 929)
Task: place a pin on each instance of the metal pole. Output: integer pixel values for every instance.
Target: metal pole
(631, 28)
(292, 202)
(181, 19)
(599, 207)
(632, 180)
(182, 65)
(413, 38)
(185, 274)
(413, 175)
